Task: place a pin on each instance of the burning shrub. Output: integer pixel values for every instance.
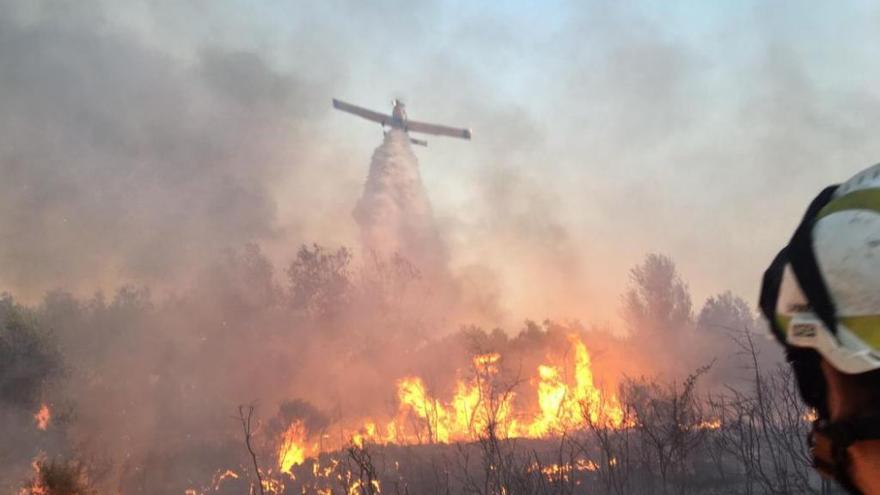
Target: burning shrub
(298, 409)
(59, 478)
(297, 420)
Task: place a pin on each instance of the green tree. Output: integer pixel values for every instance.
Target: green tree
(320, 281)
(28, 356)
(658, 299)
(726, 311)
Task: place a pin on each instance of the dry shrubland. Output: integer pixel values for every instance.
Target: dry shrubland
(145, 388)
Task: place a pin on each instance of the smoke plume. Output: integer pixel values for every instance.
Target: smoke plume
(394, 213)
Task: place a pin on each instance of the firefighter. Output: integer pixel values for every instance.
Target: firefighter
(821, 295)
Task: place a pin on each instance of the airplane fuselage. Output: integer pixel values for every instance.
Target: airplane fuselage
(398, 115)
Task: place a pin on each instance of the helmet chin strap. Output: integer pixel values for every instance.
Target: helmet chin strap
(829, 443)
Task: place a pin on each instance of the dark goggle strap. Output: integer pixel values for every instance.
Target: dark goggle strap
(830, 441)
(807, 367)
(800, 256)
(803, 262)
(770, 286)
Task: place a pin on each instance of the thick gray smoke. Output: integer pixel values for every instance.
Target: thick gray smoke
(394, 212)
(120, 163)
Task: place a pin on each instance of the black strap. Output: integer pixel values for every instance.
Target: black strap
(806, 365)
(770, 286)
(799, 254)
(806, 269)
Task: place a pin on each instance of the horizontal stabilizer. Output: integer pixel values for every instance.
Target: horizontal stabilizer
(420, 142)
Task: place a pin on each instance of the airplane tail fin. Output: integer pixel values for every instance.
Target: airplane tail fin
(419, 142)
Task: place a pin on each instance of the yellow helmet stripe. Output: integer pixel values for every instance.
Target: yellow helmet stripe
(866, 328)
(863, 199)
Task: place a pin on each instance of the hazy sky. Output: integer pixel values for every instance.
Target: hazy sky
(602, 131)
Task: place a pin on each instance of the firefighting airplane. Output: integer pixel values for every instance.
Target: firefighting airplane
(399, 120)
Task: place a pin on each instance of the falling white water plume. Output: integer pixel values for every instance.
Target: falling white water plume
(394, 212)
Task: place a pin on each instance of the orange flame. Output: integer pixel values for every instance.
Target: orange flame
(562, 404)
(293, 447)
(712, 424)
(566, 397)
(219, 478)
(36, 486)
(474, 406)
(42, 417)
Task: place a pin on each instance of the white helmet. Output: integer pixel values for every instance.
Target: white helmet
(827, 280)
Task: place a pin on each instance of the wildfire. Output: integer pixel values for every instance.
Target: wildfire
(564, 405)
(480, 402)
(476, 405)
(219, 478)
(42, 417)
(810, 416)
(562, 472)
(293, 447)
(58, 476)
(358, 487)
(37, 485)
(712, 424)
(567, 397)
(273, 486)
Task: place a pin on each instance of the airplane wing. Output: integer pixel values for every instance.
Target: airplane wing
(440, 130)
(361, 112)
